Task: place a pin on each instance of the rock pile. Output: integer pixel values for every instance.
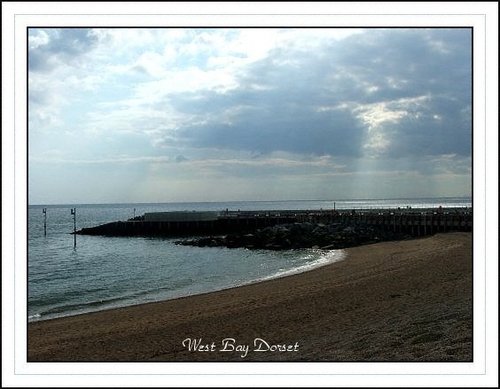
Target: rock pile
(300, 235)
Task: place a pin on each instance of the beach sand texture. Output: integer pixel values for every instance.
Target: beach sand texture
(393, 301)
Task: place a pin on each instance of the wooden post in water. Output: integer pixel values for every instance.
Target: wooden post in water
(73, 212)
(44, 221)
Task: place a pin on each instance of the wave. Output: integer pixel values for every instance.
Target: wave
(34, 317)
(69, 309)
(326, 257)
(315, 258)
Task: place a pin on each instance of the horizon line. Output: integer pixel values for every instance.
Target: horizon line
(252, 201)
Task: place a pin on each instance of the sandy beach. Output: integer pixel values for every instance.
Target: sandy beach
(393, 301)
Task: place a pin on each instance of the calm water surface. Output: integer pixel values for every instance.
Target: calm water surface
(107, 272)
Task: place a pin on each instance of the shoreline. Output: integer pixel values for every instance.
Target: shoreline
(394, 301)
(340, 253)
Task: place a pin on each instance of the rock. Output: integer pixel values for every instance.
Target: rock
(300, 235)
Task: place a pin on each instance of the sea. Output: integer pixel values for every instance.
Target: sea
(109, 272)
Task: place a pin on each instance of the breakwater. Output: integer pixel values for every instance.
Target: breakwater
(416, 222)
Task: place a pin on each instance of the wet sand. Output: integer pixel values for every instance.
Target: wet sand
(392, 301)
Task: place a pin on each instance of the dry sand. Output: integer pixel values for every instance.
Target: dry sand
(393, 301)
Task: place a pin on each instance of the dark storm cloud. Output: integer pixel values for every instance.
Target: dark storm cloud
(443, 127)
(425, 60)
(290, 100)
(287, 127)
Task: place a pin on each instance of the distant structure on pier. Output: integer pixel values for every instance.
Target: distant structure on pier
(182, 216)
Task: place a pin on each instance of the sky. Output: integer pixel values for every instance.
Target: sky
(181, 114)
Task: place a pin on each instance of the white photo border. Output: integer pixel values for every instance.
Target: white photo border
(19, 16)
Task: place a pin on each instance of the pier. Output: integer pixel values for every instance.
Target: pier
(415, 222)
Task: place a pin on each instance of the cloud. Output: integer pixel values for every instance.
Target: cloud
(408, 92)
(61, 69)
(302, 91)
(51, 46)
(56, 159)
(320, 103)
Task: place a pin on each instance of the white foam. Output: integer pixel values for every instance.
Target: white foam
(34, 317)
(326, 258)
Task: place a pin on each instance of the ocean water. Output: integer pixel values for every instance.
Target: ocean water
(108, 272)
